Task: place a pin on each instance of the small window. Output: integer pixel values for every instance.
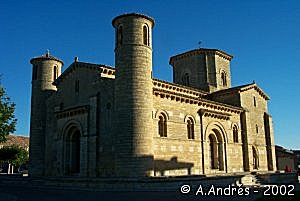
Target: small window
(235, 134)
(54, 73)
(254, 101)
(224, 79)
(162, 125)
(190, 128)
(256, 128)
(77, 86)
(61, 106)
(119, 37)
(145, 35)
(34, 72)
(186, 79)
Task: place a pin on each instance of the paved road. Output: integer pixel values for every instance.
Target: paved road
(13, 192)
(28, 191)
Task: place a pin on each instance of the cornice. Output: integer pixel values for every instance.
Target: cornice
(173, 96)
(134, 15)
(259, 90)
(240, 89)
(178, 88)
(103, 70)
(199, 52)
(72, 112)
(214, 114)
(45, 58)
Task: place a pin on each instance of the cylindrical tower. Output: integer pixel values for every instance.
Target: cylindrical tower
(133, 95)
(45, 69)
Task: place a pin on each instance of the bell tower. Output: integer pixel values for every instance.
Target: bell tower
(133, 95)
(45, 69)
(205, 69)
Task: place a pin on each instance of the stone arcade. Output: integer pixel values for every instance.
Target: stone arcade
(94, 120)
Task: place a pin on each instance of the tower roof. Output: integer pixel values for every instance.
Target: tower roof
(200, 51)
(135, 15)
(44, 57)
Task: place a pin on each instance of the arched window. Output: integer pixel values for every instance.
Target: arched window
(224, 79)
(186, 79)
(162, 125)
(54, 73)
(145, 35)
(190, 128)
(119, 37)
(235, 134)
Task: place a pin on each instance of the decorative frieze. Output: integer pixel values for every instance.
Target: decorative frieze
(72, 112)
(199, 101)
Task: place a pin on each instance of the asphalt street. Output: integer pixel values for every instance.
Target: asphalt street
(13, 192)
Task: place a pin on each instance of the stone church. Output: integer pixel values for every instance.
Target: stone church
(94, 120)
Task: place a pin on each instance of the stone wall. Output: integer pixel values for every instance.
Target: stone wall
(255, 126)
(133, 96)
(203, 67)
(185, 155)
(42, 88)
(90, 109)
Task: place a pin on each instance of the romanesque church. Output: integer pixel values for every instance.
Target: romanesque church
(94, 120)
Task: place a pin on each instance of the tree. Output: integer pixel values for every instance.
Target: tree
(7, 117)
(14, 155)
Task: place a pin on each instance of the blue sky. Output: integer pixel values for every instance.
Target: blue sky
(263, 37)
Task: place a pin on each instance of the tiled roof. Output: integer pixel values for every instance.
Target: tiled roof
(133, 14)
(46, 56)
(22, 141)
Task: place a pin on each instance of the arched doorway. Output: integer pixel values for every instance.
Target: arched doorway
(216, 150)
(255, 158)
(72, 152)
(213, 151)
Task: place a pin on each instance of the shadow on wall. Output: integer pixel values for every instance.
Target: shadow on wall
(145, 165)
(161, 166)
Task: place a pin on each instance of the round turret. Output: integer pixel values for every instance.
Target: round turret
(133, 95)
(45, 69)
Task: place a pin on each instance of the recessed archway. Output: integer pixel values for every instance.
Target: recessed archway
(72, 151)
(216, 150)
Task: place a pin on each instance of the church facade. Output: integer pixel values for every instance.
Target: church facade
(94, 120)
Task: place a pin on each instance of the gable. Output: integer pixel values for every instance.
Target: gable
(257, 89)
(253, 99)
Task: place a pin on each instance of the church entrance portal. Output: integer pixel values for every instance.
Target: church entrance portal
(72, 152)
(216, 150)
